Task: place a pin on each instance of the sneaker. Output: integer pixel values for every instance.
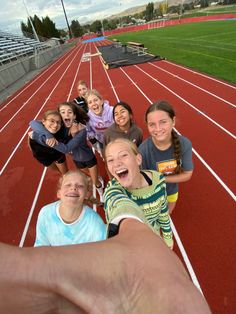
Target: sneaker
(100, 189)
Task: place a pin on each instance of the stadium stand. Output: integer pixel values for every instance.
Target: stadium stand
(12, 47)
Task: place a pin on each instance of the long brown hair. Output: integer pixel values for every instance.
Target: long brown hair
(163, 105)
(80, 114)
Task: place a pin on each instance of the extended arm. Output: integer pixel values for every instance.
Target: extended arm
(139, 274)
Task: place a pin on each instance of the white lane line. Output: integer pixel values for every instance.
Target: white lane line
(185, 257)
(37, 193)
(39, 88)
(194, 85)
(26, 132)
(201, 74)
(188, 103)
(22, 241)
(179, 243)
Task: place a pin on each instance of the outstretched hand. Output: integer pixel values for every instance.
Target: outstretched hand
(133, 272)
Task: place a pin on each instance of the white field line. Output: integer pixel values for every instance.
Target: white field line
(26, 132)
(181, 248)
(25, 103)
(32, 209)
(195, 152)
(201, 74)
(91, 85)
(188, 103)
(76, 76)
(109, 79)
(180, 245)
(37, 194)
(35, 79)
(194, 85)
(185, 257)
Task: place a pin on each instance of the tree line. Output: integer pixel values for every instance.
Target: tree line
(46, 28)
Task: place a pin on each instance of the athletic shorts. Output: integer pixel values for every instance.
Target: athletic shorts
(86, 164)
(172, 198)
(46, 155)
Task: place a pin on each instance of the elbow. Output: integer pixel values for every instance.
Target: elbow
(188, 175)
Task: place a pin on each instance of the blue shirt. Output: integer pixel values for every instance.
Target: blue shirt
(51, 230)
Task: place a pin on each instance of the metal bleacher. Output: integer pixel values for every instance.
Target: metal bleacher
(13, 47)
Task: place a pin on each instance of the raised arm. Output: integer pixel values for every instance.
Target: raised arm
(139, 274)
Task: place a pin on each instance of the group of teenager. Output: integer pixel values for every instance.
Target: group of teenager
(144, 175)
(134, 247)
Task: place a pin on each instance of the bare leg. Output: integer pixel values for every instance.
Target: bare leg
(62, 168)
(93, 171)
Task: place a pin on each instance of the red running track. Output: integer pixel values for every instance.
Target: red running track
(205, 214)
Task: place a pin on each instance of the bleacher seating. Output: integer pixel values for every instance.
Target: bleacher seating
(12, 47)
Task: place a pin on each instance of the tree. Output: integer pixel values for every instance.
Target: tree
(49, 28)
(204, 3)
(96, 26)
(76, 29)
(38, 25)
(149, 11)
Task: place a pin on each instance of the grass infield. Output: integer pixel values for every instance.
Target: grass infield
(209, 47)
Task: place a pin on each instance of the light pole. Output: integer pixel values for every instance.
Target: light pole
(70, 35)
(31, 23)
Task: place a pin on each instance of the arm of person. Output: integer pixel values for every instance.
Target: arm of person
(146, 277)
(187, 165)
(40, 129)
(164, 222)
(90, 131)
(118, 205)
(181, 177)
(72, 144)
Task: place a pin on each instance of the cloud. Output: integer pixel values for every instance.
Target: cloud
(12, 13)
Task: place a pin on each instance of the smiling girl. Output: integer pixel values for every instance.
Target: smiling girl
(48, 156)
(82, 89)
(165, 150)
(100, 114)
(74, 141)
(124, 127)
(68, 220)
(133, 189)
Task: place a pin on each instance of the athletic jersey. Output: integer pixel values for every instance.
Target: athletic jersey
(51, 230)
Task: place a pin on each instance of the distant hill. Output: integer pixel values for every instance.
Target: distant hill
(140, 8)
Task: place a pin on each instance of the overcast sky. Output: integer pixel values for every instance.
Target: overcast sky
(12, 12)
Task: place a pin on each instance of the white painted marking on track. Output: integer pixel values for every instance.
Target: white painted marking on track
(22, 241)
(201, 74)
(194, 85)
(188, 103)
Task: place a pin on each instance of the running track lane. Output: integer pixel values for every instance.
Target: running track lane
(203, 242)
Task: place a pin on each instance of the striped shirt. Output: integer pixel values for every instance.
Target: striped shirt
(152, 200)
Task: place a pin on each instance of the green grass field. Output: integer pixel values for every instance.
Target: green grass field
(209, 47)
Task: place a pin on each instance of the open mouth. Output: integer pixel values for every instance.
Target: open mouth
(67, 122)
(122, 173)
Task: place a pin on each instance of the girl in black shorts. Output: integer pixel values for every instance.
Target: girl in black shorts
(75, 135)
(46, 155)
